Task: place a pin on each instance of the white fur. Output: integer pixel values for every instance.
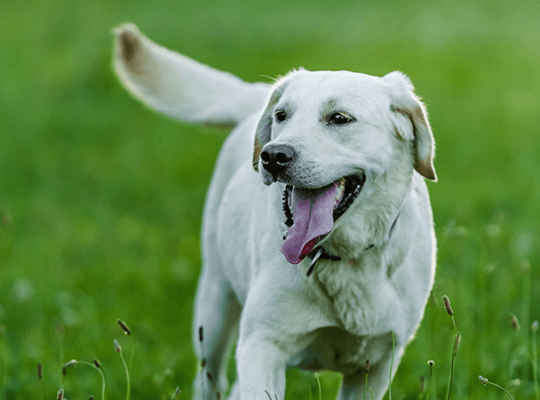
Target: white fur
(345, 312)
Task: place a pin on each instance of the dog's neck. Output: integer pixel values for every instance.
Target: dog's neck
(319, 253)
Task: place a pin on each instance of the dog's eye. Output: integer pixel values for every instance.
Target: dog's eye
(280, 116)
(339, 118)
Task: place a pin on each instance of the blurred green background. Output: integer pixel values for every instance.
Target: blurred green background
(101, 199)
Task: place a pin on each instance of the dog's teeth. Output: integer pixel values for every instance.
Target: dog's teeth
(339, 193)
(340, 189)
(285, 230)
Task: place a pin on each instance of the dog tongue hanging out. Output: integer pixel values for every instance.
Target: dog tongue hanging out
(312, 215)
(348, 154)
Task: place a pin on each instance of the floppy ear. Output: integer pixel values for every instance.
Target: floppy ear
(181, 87)
(263, 132)
(408, 110)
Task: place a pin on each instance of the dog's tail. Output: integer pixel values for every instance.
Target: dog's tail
(181, 87)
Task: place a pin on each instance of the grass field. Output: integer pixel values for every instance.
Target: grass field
(101, 199)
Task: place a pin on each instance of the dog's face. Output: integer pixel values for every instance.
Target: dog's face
(340, 141)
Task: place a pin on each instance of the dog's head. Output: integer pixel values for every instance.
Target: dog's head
(341, 141)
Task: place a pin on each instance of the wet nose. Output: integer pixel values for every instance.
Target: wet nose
(277, 157)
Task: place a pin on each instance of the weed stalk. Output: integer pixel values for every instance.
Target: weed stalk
(60, 335)
(368, 367)
(127, 332)
(486, 382)
(319, 384)
(422, 387)
(176, 393)
(96, 365)
(118, 349)
(534, 329)
(40, 376)
(456, 340)
(431, 363)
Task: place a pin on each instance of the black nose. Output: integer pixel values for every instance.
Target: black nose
(277, 157)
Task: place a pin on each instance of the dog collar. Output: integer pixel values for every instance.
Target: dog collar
(320, 253)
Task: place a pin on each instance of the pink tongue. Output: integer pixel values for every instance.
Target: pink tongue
(312, 212)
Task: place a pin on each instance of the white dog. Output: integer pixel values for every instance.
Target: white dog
(318, 238)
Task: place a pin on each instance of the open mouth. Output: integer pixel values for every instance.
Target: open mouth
(311, 213)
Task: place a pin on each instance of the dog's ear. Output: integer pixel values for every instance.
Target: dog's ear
(411, 121)
(181, 87)
(263, 132)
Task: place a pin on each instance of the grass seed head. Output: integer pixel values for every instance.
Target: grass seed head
(60, 395)
(97, 363)
(515, 323)
(431, 363)
(71, 363)
(483, 380)
(368, 366)
(123, 325)
(447, 305)
(117, 346)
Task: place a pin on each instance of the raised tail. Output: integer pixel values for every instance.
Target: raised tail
(181, 87)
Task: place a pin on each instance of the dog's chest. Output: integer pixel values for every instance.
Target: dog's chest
(334, 349)
(361, 298)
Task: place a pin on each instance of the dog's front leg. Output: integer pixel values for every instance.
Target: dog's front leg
(261, 368)
(272, 330)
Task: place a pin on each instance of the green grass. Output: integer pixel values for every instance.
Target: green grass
(101, 199)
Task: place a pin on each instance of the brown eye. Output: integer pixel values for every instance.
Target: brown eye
(280, 116)
(340, 118)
